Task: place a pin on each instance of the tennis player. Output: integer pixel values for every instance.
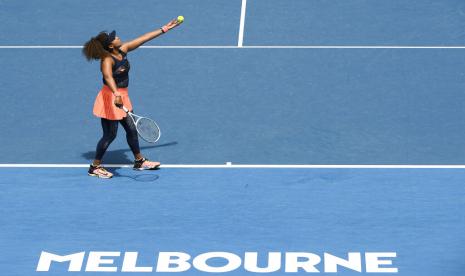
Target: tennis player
(114, 65)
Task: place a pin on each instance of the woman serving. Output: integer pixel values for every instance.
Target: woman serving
(114, 65)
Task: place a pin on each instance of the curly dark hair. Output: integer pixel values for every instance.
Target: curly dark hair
(93, 49)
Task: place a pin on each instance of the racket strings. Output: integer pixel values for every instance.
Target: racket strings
(148, 130)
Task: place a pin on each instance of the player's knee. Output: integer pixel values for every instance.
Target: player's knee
(111, 136)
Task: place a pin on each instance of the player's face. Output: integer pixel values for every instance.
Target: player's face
(117, 42)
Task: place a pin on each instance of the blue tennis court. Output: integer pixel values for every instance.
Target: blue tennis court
(322, 136)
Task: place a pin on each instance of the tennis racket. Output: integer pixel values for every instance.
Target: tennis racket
(146, 128)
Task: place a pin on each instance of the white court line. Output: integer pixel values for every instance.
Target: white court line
(242, 24)
(244, 166)
(242, 47)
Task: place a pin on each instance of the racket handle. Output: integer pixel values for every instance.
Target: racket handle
(125, 109)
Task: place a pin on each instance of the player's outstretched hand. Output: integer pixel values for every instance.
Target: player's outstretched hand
(172, 24)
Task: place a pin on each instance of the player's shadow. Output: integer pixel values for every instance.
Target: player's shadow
(120, 156)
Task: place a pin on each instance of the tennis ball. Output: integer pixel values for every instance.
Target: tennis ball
(180, 19)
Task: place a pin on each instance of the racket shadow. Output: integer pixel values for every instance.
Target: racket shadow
(121, 156)
(140, 177)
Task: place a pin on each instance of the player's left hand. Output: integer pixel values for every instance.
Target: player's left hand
(172, 24)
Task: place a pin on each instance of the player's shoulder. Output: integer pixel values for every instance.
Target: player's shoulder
(108, 59)
(124, 49)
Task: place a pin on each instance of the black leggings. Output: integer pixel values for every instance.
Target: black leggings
(110, 128)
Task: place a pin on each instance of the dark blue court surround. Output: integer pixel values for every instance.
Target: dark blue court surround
(416, 213)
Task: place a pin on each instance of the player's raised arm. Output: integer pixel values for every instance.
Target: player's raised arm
(134, 44)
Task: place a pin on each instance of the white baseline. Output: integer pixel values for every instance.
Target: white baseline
(228, 165)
